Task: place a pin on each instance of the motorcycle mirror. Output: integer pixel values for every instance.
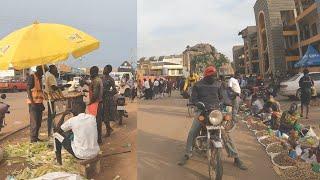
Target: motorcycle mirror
(200, 105)
(3, 96)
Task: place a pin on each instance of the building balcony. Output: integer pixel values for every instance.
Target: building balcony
(307, 11)
(306, 42)
(290, 33)
(292, 58)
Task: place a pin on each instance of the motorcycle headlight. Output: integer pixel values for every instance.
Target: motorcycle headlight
(215, 117)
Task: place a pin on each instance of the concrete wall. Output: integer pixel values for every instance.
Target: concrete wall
(274, 30)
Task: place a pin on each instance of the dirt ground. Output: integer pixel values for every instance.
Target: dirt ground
(122, 139)
(162, 131)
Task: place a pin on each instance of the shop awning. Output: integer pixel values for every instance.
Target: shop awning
(311, 58)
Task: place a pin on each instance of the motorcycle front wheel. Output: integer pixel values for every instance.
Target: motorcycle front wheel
(215, 164)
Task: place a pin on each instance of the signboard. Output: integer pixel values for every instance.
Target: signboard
(125, 67)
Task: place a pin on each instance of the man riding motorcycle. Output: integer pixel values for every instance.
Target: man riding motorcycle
(207, 91)
(190, 81)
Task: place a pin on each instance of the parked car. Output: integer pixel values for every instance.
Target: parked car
(290, 87)
(13, 85)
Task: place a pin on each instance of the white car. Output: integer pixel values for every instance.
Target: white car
(290, 88)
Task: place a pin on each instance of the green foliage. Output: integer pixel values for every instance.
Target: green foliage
(199, 62)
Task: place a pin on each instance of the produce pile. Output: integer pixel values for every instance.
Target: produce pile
(268, 140)
(259, 134)
(280, 148)
(40, 160)
(276, 148)
(283, 159)
(300, 171)
(59, 95)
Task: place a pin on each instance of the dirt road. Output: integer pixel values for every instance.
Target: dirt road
(19, 115)
(162, 131)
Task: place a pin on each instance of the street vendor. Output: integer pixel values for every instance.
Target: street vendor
(289, 119)
(50, 87)
(78, 135)
(35, 102)
(271, 105)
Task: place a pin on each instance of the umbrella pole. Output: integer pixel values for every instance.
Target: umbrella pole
(49, 100)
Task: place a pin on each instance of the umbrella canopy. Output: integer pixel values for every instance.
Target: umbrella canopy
(311, 58)
(43, 43)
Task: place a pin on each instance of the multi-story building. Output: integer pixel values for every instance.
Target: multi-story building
(161, 66)
(251, 54)
(308, 22)
(277, 33)
(238, 58)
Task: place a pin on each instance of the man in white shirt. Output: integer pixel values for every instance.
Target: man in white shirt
(82, 142)
(147, 92)
(235, 92)
(156, 89)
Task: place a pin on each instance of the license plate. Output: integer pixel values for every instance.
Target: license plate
(217, 144)
(121, 108)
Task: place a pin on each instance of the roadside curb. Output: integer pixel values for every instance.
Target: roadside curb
(20, 129)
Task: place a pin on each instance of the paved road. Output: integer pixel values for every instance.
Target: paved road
(162, 131)
(19, 115)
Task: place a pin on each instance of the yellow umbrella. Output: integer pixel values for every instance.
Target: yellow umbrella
(43, 43)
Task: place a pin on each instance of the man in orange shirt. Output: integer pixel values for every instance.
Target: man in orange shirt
(35, 102)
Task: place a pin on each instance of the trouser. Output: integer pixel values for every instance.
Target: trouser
(99, 119)
(35, 112)
(66, 144)
(51, 116)
(235, 107)
(194, 132)
(109, 111)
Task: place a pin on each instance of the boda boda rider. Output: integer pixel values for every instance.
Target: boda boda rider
(78, 135)
(207, 91)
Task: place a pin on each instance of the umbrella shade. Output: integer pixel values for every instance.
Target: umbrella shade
(42, 43)
(311, 58)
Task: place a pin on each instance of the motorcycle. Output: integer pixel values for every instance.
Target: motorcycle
(210, 140)
(4, 109)
(121, 108)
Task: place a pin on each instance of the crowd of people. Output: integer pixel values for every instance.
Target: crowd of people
(81, 134)
(157, 88)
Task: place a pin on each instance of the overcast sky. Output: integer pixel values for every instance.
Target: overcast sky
(166, 27)
(113, 22)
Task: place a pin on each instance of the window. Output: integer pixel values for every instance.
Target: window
(314, 29)
(315, 76)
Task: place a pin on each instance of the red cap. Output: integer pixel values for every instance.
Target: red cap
(209, 71)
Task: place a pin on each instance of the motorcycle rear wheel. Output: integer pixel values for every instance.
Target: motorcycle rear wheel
(215, 164)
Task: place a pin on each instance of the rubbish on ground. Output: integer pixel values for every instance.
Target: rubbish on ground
(59, 176)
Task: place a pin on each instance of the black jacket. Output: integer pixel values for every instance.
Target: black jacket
(207, 93)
